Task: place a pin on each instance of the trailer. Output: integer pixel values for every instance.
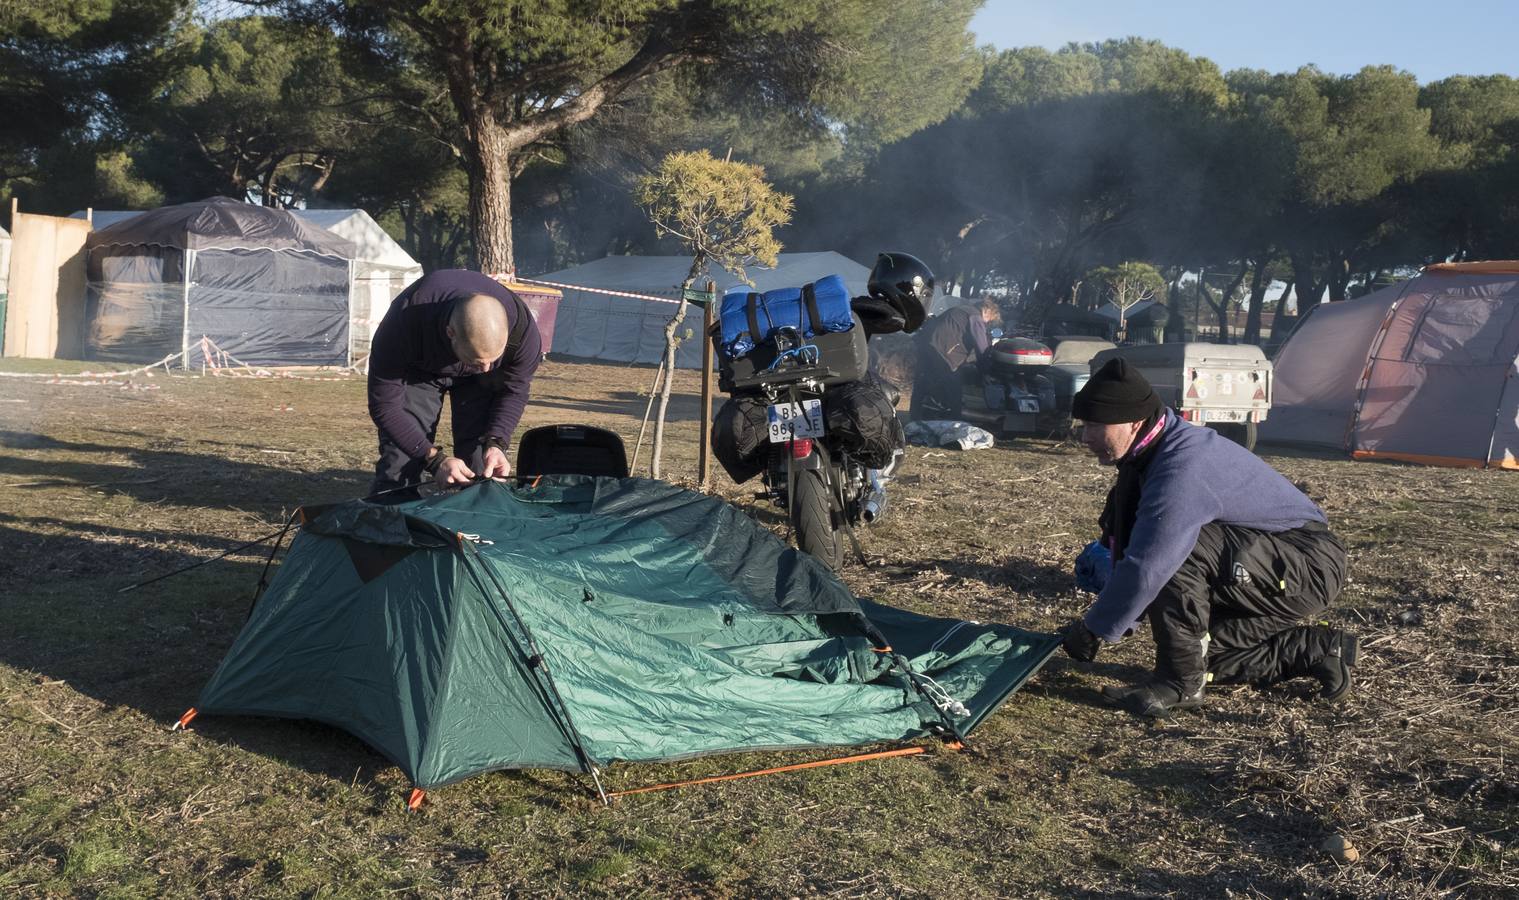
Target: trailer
(1224, 386)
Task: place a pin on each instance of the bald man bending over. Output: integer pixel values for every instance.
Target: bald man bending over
(457, 333)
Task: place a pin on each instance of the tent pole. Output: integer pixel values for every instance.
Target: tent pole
(185, 279)
(263, 577)
(350, 361)
(1371, 357)
(538, 662)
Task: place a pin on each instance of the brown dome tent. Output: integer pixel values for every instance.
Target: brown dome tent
(1425, 371)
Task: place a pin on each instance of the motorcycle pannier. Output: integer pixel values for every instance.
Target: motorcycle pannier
(740, 437)
(748, 319)
(862, 423)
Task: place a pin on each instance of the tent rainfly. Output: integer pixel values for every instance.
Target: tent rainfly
(258, 284)
(1425, 371)
(625, 329)
(582, 621)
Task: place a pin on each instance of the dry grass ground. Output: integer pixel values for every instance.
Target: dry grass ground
(104, 484)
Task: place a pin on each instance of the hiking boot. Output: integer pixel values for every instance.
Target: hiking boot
(1158, 700)
(1153, 700)
(1118, 694)
(1333, 671)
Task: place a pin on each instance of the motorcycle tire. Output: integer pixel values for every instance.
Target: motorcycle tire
(812, 519)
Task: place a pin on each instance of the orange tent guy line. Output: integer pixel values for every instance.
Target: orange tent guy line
(1486, 267)
(795, 767)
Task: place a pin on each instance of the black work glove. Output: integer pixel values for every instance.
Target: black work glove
(1079, 642)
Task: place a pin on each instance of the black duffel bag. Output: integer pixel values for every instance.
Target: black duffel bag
(740, 436)
(863, 423)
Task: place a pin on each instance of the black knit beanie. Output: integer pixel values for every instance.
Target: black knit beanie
(1117, 393)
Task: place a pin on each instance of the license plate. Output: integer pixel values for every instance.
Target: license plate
(1028, 405)
(791, 420)
(1222, 415)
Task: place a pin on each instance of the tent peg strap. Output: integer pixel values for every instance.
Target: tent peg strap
(794, 767)
(897, 659)
(415, 799)
(185, 720)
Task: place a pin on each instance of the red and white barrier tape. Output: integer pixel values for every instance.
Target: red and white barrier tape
(509, 279)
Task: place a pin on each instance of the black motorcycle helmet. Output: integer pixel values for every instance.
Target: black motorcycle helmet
(905, 282)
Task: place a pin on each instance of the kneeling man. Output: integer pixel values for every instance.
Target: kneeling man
(1225, 556)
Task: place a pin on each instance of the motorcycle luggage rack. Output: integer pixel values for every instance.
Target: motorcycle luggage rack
(785, 376)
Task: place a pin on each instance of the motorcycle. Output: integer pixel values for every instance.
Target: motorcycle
(1010, 394)
(809, 470)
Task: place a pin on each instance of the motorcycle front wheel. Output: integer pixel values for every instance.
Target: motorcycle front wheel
(812, 519)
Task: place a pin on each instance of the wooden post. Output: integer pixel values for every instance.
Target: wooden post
(703, 457)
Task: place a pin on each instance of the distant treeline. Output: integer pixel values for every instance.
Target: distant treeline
(516, 142)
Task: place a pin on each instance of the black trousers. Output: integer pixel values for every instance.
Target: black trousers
(1235, 610)
(470, 401)
(938, 392)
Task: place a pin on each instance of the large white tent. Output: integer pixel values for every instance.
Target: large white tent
(258, 284)
(1423, 371)
(625, 329)
(381, 267)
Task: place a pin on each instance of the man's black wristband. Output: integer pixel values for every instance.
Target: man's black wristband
(434, 462)
(487, 443)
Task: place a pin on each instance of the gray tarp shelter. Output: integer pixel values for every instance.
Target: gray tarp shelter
(258, 284)
(1425, 371)
(625, 329)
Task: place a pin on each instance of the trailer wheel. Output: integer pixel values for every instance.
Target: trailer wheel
(1242, 433)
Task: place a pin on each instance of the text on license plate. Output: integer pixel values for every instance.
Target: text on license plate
(792, 420)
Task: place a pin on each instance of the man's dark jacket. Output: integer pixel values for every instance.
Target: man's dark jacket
(411, 345)
(955, 336)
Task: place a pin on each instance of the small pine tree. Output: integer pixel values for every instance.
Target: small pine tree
(725, 213)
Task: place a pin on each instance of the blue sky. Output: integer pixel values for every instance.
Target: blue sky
(1431, 40)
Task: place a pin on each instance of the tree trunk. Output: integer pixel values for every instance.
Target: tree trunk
(490, 191)
(1309, 291)
(1258, 286)
(1338, 277)
(672, 341)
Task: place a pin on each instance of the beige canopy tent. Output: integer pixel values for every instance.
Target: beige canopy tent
(1425, 371)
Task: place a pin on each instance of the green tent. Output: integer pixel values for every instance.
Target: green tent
(588, 620)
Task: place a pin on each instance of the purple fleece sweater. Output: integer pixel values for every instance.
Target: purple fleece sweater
(411, 345)
(1196, 477)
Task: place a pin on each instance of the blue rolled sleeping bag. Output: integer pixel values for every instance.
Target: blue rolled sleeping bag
(747, 318)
